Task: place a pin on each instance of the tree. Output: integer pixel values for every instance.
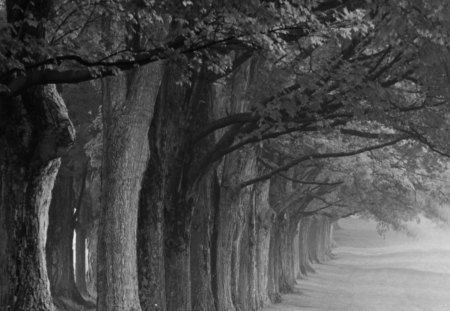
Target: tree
(36, 130)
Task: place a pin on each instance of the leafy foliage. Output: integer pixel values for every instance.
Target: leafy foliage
(375, 70)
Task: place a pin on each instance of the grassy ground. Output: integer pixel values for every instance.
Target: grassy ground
(370, 273)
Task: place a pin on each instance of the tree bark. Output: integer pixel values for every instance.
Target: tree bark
(296, 253)
(233, 204)
(265, 218)
(305, 265)
(248, 275)
(314, 240)
(274, 266)
(80, 269)
(282, 259)
(128, 102)
(35, 131)
(168, 197)
(151, 242)
(92, 247)
(94, 193)
(277, 192)
(246, 259)
(201, 244)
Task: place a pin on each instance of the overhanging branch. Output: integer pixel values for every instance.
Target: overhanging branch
(303, 182)
(321, 156)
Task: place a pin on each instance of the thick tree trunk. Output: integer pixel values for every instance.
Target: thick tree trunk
(248, 274)
(265, 218)
(242, 254)
(128, 102)
(183, 184)
(244, 265)
(151, 242)
(279, 187)
(225, 231)
(304, 262)
(35, 130)
(288, 271)
(168, 197)
(328, 225)
(324, 238)
(233, 206)
(314, 240)
(283, 265)
(202, 230)
(274, 266)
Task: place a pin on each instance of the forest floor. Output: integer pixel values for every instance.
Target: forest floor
(370, 273)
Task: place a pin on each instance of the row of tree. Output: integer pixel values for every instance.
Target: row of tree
(230, 136)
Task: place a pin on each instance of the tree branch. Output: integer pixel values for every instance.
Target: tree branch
(303, 182)
(224, 122)
(321, 156)
(362, 134)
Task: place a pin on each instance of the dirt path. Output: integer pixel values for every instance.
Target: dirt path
(399, 277)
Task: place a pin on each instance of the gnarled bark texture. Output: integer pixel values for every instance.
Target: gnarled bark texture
(128, 102)
(34, 131)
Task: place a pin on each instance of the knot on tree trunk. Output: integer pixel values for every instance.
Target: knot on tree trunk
(56, 132)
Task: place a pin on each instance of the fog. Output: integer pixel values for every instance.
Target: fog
(370, 272)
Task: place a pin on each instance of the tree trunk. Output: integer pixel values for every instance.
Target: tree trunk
(296, 253)
(92, 247)
(265, 217)
(93, 187)
(201, 235)
(233, 204)
(283, 259)
(128, 102)
(328, 238)
(288, 271)
(274, 266)
(279, 188)
(324, 249)
(314, 240)
(34, 131)
(244, 265)
(169, 198)
(248, 275)
(151, 242)
(305, 226)
(80, 269)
